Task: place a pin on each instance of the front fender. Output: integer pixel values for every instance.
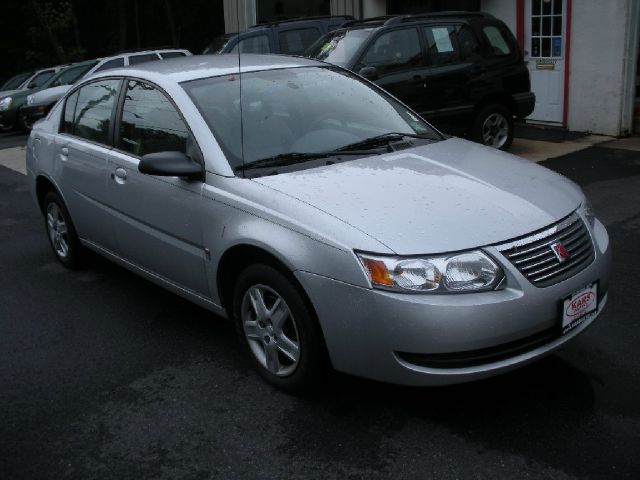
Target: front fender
(233, 220)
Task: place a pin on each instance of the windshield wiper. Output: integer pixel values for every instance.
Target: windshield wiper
(285, 159)
(383, 139)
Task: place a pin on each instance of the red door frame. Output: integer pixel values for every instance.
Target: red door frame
(520, 19)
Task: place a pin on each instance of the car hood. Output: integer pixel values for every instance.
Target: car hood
(447, 196)
(49, 95)
(8, 93)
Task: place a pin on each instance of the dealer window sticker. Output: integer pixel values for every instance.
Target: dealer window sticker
(443, 42)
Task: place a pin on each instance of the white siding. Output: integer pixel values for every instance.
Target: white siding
(505, 10)
(600, 44)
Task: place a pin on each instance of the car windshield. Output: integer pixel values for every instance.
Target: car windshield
(297, 110)
(69, 75)
(15, 81)
(339, 47)
(42, 77)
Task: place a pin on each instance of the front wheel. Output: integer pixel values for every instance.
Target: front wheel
(493, 126)
(278, 329)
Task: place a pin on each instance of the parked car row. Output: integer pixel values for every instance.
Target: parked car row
(462, 71)
(37, 92)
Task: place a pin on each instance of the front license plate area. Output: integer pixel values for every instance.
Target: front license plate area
(579, 306)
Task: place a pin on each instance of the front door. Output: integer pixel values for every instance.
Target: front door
(399, 63)
(157, 220)
(545, 25)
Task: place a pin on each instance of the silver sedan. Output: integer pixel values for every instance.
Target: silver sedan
(323, 216)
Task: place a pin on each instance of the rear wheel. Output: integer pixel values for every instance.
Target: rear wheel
(277, 329)
(61, 231)
(493, 126)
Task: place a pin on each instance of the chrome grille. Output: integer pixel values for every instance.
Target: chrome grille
(534, 257)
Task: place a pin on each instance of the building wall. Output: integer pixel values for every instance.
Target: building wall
(600, 46)
(505, 10)
(239, 15)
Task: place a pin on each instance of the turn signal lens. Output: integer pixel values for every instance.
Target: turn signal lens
(378, 273)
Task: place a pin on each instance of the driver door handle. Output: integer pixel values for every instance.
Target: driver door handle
(120, 175)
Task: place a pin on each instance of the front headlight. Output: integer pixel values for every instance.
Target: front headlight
(5, 103)
(463, 272)
(29, 99)
(589, 214)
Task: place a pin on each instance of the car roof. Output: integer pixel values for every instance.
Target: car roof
(290, 21)
(393, 20)
(202, 66)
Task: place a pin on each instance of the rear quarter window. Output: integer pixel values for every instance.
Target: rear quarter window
(497, 40)
(165, 55)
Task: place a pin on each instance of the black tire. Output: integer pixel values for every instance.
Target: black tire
(53, 208)
(311, 367)
(487, 113)
(21, 123)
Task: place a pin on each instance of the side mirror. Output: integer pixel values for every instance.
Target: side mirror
(370, 73)
(170, 164)
(31, 85)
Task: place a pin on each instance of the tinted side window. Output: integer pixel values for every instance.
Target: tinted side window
(115, 63)
(171, 54)
(393, 51)
(147, 57)
(66, 126)
(297, 41)
(497, 40)
(92, 114)
(150, 123)
(442, 44)
(255, 44)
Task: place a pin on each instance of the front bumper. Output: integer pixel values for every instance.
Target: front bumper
(8, 118)
(366, 330)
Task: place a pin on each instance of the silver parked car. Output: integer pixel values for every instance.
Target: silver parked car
(327, 219)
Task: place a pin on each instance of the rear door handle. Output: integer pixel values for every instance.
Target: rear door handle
(64, 153)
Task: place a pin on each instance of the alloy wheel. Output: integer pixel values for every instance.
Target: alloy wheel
(270, 330)
(57, 229)
(495, 130)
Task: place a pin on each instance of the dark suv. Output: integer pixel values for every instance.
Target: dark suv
(290, 37)
(463, 71)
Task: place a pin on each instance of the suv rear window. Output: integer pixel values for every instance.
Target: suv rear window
(496, 40)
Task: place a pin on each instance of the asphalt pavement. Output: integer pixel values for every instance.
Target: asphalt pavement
(104, 375)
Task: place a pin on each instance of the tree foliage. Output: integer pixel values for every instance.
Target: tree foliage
(40, 33)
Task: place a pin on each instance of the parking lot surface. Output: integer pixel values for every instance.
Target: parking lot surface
(104, 375)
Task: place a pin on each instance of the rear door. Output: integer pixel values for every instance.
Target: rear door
(398, 57)
(83, 146)
(157, 220)
(456, 74)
